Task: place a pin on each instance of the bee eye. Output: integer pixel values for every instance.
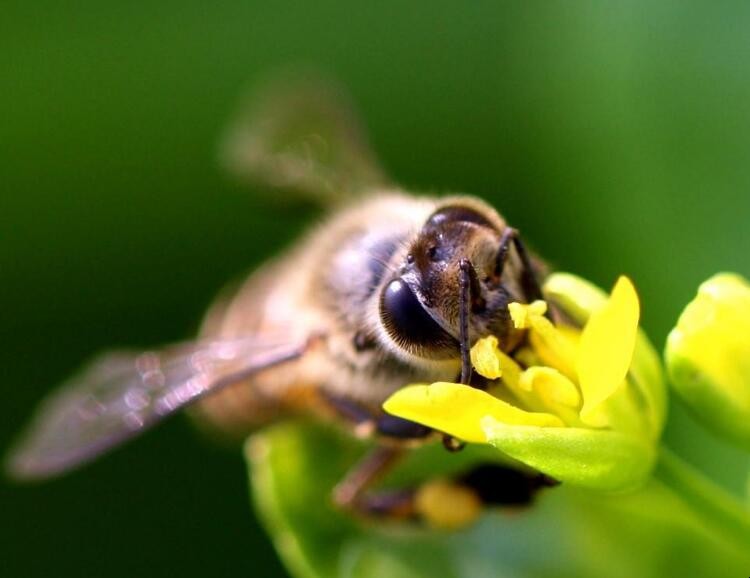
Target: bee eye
(407, 321)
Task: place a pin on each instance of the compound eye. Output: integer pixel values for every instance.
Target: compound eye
(407, 321)
(457, 214)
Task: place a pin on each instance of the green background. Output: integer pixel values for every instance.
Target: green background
(616, 137)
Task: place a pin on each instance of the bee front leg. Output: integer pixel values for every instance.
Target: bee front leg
(468, 284)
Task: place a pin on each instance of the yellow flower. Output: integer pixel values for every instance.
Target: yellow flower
(584, 406)
(708, 356)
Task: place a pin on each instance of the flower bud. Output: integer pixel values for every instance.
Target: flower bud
(708, 356)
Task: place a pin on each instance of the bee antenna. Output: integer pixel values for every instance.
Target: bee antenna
(509, 235)
(467, 283)
(529, 281)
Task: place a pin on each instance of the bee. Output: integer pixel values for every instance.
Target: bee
(391, 288)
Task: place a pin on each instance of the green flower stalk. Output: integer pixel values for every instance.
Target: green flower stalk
(708, 357)
(584, 406)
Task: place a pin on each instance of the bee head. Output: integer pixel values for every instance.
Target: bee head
(420, 305)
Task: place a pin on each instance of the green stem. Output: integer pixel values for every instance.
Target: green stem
(717, 509)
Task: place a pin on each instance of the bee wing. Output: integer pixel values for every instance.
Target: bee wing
(122, 394)
(301, 135)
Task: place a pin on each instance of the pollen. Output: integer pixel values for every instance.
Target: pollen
(444, 505)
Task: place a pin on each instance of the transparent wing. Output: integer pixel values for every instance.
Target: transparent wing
(121, 394)
(301, 134)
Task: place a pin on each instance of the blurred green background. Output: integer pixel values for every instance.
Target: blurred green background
(616, 137)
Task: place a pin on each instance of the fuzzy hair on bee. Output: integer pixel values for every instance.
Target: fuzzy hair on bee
(390, 288)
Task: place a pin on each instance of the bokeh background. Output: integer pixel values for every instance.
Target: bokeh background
(615, 136)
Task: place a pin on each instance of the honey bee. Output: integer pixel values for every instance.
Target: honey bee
(390, 289)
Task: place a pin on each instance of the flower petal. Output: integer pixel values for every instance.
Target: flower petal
(579, 299)
(606, 347)
(597, 459)
(457, 410)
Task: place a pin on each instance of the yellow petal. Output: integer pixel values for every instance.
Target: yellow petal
(606, 346)
(551, 386)
(457, 410)
(484, 357)
(578, 300)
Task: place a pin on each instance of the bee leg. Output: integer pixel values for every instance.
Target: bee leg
(352, 492)
(440, 503)
(445, 503)
(456, 502)
(348, 493)
(363, 419)
(529, 281)
(367, 422)
(399, 428)
(389, 504)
